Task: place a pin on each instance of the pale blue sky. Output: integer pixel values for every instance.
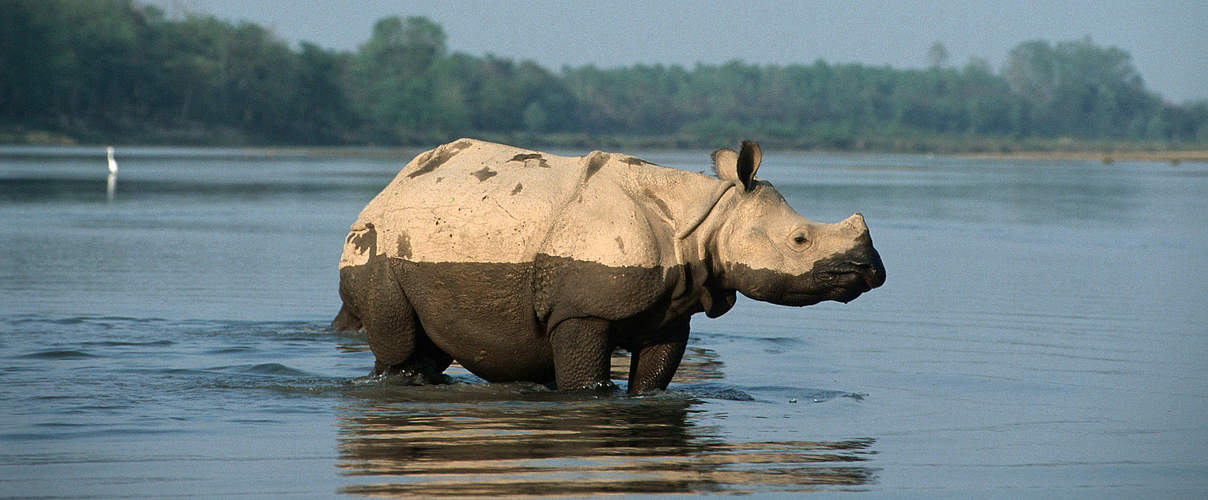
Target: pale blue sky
(1168, 40)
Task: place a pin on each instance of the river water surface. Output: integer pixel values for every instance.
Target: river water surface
(1043, 332)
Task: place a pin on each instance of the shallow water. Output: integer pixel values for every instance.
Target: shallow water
(1041, 333)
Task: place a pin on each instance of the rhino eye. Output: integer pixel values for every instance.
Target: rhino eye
(799, 239)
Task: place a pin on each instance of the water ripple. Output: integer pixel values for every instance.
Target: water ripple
(58, 354)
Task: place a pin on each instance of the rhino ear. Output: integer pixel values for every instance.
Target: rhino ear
(748, 163)
(725, 164)
(738, 168)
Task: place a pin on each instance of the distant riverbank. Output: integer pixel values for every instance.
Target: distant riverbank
(964, 145)
(1174, 157)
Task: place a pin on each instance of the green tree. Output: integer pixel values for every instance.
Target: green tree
(937, 55)
(30, 58)
(325, 113)
(1078, 88)
(391, 85)
(112, 68)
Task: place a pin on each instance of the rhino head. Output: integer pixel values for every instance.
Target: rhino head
(769, 252)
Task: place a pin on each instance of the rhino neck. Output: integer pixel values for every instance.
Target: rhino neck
(692, 209)
(697, 248)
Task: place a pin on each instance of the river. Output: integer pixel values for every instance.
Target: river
(1043, 332)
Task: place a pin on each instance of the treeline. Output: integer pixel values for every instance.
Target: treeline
(113, 70)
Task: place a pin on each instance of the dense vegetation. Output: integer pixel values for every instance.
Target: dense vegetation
(113, 70)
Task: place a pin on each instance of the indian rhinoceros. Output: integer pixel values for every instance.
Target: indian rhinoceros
(526, 266)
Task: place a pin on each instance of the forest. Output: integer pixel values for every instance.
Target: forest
(118, 71)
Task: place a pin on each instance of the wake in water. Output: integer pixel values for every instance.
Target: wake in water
(86, 378)
(308, 357)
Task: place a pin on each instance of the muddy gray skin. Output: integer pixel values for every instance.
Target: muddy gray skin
(526, 266)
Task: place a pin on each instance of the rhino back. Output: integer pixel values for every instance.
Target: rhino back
(468, 201)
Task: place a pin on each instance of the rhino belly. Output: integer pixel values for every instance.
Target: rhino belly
(482, 315)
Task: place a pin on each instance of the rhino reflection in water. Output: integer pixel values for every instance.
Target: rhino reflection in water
(569, 447)
(525, 266)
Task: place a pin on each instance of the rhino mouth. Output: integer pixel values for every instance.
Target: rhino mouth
(847, 282)
(841, 280)
(856, 271)
(838, 286)
(867, 278)
(845, 287)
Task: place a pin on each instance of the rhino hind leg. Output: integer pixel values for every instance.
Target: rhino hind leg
(399, 343)
(652, 365)
(582, 354)
(426, 365)
(401, 347)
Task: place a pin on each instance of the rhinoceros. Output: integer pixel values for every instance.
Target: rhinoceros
(527, 266)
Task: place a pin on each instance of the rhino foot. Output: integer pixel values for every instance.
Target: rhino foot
(412, 377)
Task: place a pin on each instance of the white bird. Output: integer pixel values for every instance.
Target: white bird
(112, 162)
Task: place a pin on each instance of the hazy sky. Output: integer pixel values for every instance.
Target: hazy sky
(1168, 40)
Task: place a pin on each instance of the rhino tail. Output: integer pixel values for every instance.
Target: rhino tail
(346, 320)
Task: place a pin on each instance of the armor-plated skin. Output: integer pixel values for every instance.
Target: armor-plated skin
(522, 265)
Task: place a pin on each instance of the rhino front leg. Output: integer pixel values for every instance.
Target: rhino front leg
(652, 365)
(582, 354)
